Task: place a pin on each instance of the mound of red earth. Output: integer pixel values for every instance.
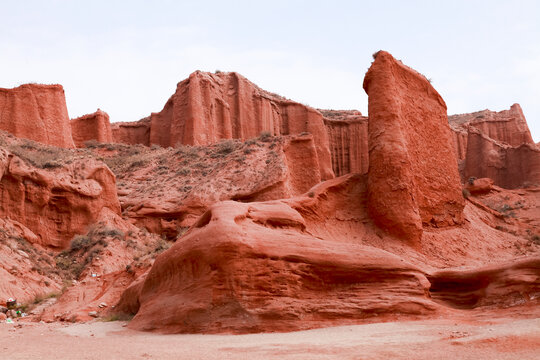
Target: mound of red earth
(95, 126)
(199, 219)
(36, 112)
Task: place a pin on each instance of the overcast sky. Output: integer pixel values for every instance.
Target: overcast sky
(126, 57)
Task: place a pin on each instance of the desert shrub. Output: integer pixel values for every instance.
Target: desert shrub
(91, 144)
(466, 193)
(183, 172)
(265, 136)
(80, 242)
(226, 147)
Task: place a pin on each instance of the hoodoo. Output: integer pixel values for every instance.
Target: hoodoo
(413, 176)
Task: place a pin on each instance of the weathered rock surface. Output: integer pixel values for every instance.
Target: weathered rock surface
(507, 126)
(509, 166)
(207, 108)
(347, 134)
(413, 177)
(272, 266)
(256, 267)
(193, 178)
(503, 285)
(497, 145)
(479, 186)
(57, 202)
(36, 112)
(95, 126)
(136, 132)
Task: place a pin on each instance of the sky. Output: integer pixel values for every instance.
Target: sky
(126, 57)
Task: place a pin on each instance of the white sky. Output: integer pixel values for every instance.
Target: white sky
(126, 57)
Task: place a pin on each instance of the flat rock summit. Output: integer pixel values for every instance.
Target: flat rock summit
(235, 210)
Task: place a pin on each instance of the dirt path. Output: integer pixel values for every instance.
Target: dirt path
(503, 338)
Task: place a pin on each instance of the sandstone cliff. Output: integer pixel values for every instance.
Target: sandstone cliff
(95, 126)
(210, 107)
(36, 112)
(497, 145)
(413, 177)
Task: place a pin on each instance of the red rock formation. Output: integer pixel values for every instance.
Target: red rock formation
(507, 126)
(36, 112)
(256, 170)
(289, 264)
(509, 166)
(57, 203)
(496, 145)
(209, 107)
(347, 134)
(413, 177)
(136, 132)
(503, 285)
(256, 267)
(479, 186)
(95, 126)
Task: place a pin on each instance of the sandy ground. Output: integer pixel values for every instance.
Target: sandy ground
(502, 338)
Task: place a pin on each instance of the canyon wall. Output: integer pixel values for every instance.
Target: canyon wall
(209, 107)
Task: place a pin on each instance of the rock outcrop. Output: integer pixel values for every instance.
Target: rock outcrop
(497, 145)
(36, 112)
(257, 267)
(413, 177)
(347, 134)
(210, 107)
(507, 126)
(136, 132)
(193, 178)
(509, 166)
(95, 126)
(58, 202)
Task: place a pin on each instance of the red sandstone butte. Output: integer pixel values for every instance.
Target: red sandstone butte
(209, 107)
(413, 177)
(95, 126)
(135, 132)
(36, 112)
